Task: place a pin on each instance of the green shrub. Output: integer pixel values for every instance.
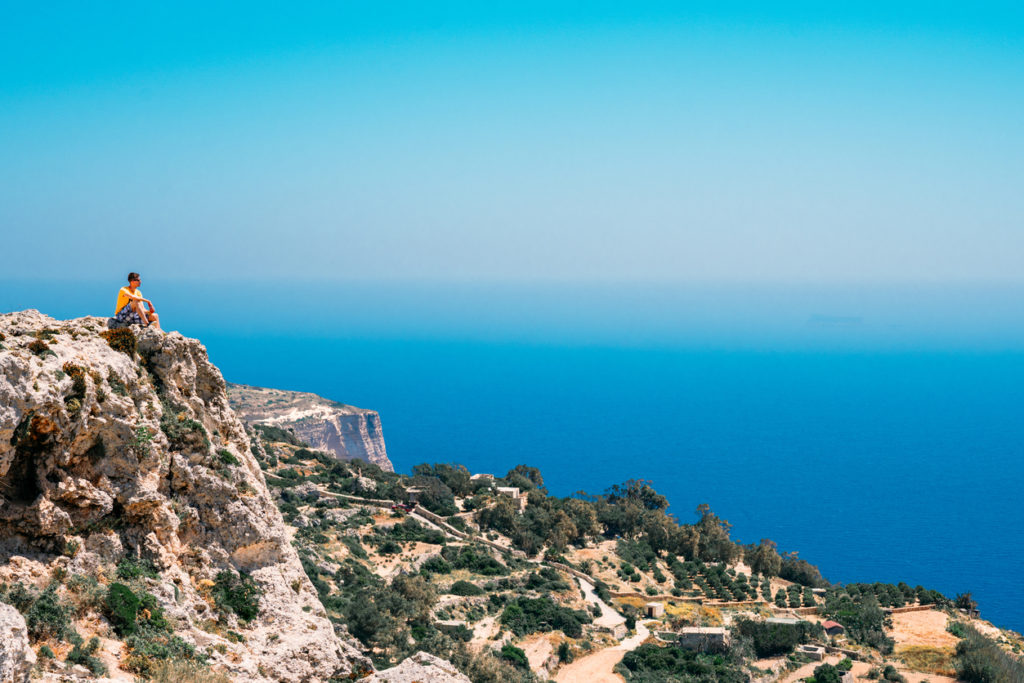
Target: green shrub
(957, 628)
(826, 673)
(517, 656)
(182, 432)
(116, 385)
(82, 653)
(979, 659)
(227, 458)
(530, 615)
(48, 617)
(237, 593)
(436, 565)
(133, 568)
(651, 663)
(478, 562)
(389, 547)
(772, 640)
(465, 588)
(122, 608)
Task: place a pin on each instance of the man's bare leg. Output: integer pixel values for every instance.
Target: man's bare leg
(140, 310)
(150, 317)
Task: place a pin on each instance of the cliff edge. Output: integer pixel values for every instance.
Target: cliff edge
(347, 431)
(131, 457)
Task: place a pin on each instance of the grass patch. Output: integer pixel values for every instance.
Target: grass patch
(932, 660)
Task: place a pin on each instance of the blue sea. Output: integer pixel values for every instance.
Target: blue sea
(877, 431)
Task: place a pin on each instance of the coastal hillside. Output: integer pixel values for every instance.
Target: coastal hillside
(509, 583)
(147, 533)
(344, 430)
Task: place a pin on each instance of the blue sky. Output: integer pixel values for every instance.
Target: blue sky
(535, 142)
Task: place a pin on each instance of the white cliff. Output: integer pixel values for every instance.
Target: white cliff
(347, 431)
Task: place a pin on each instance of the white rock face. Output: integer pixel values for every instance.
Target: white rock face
(141, 454)
(16, 657)
(420, 668)
(326, 425)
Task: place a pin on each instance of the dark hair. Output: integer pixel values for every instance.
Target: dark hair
(132, 276)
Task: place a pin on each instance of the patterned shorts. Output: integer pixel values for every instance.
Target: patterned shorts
(128, 316)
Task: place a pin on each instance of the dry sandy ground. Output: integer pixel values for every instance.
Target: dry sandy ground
(595, 668)
(537, 651)
(922, 628)
(388, 565)
(859, 671)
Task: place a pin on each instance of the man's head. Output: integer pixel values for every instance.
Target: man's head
(133, 279)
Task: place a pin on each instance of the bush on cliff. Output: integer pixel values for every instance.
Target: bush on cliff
(237, 593)
(121, 339)
(122, 608)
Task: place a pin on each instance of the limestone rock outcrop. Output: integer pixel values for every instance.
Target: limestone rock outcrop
(346, 431)
(116, 453)
(16, 656)
(421, 667)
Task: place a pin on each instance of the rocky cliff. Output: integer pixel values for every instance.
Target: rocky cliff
(344, 430)
(134, 454)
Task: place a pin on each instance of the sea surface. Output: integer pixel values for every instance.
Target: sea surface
(880, 434)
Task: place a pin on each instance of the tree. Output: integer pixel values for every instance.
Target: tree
(501, 516)
(435, 495)
(638, 491)
(526, 478)
(583, 516)
(713, 544)
(965, 601)
(455, 477)
(764, 558)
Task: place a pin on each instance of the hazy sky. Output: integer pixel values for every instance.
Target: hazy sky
(540, 141)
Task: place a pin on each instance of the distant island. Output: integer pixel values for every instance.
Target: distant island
(158, 523)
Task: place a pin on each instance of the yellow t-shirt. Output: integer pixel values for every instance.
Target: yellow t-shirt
(122, 297)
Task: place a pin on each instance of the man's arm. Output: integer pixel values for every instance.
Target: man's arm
(132, 297)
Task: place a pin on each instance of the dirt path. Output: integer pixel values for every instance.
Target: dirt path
(595, 668)
(609, 617)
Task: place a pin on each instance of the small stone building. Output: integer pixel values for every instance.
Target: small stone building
(704, 639)
(833, 628)
(815, 652)
(519, 498)
(653, 610)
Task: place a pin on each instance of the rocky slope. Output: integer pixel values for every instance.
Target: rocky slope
(344, 430)
(110, 454)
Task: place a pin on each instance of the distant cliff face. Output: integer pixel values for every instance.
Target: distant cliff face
(110, 454)
(344, 430)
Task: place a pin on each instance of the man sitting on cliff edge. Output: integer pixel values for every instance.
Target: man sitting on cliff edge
(130, 305)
